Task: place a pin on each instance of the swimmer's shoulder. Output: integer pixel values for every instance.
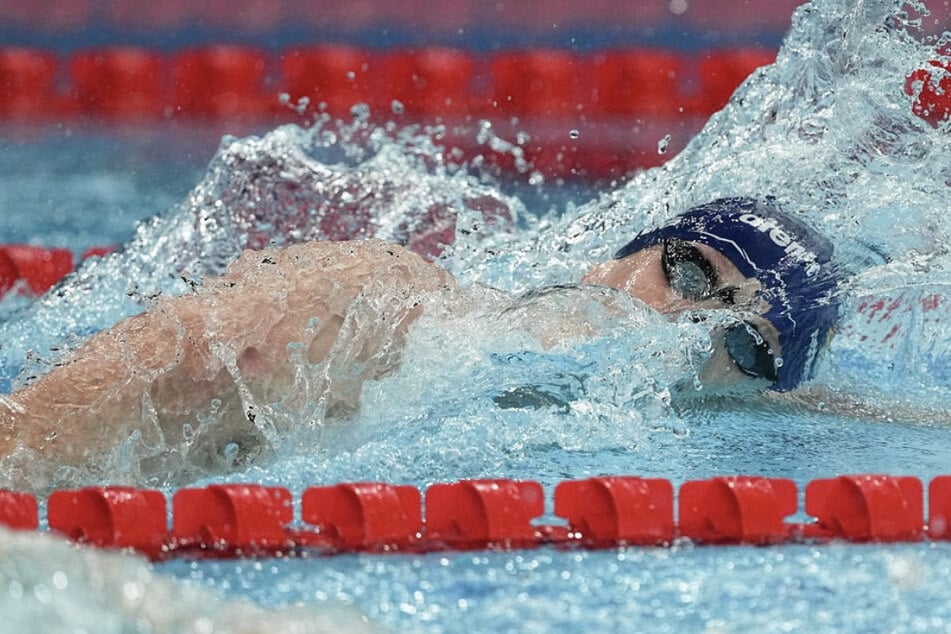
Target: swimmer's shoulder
(326, 249)
(350, 259)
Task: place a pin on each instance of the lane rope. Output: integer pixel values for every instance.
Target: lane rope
(254, 520)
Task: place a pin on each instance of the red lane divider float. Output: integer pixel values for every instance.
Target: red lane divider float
(231, 520)
(551, 92)
(26, 83)
(611, 510)
(33, 270)
(232, 516)
(931, 89)
(118, 83)
(39, 268)
(365, 515)
(866, 508)
(548, 92)
(121, 517)
(739, 510)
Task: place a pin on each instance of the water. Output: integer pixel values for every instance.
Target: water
(827, 130)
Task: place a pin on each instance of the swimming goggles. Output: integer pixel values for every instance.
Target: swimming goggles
(692, 276)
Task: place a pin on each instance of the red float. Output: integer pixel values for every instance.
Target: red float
(41, 268)
(638, 83)
(431, 81)
(613, 510)
(365, 515)
(97, 252)
(26, 83)
(336, 76)
(939, 508)
(931, 89)
(721, 72)
(18, 511)
(242, 516)
(481, 513)
(113, 517)
(119, 83)
(539, 83)
(225, 82)
(8, 273)
(737, 509)
(866, 508)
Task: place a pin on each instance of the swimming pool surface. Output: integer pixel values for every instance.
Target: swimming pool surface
(820, 130)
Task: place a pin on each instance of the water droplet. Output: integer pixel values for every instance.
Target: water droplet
(574, 134)
(360, 112)
(663, 145)
(678, 7)
(397, 107)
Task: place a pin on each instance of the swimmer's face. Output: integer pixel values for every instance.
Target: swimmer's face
(678, 276)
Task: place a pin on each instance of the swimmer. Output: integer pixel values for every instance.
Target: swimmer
(232, 342)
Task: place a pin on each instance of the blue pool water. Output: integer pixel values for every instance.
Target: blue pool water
(827, 130)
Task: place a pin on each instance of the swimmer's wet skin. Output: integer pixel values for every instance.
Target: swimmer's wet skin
(232, 343)
(227, 341)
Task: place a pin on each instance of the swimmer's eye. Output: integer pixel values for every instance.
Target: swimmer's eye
(750, 351)
(687, 271)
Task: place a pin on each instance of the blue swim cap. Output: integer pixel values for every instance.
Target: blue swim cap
(791, 260)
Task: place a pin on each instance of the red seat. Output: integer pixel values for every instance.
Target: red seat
(26, 82)
(353, 15)
(611, 13)
(153, 16)
(242, 16)
(422, 16)
(334, 75)
(538, 82)
(638, 82)
(721, 72)
(221, 81)
(728, 19)
(429, 81)
(48, 16)
(120, 83)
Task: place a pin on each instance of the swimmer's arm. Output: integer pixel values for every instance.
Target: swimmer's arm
(232, 335)
(818, 398)
(101, 394)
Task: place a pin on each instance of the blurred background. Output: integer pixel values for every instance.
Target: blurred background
(118, 105)
(596, 85)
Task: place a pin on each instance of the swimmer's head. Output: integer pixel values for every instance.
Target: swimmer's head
(744, 255)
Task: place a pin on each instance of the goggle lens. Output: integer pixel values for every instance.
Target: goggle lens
(750, 351)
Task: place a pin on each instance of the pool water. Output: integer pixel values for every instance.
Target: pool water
(828, 130)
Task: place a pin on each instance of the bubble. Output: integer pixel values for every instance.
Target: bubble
(360, 112)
